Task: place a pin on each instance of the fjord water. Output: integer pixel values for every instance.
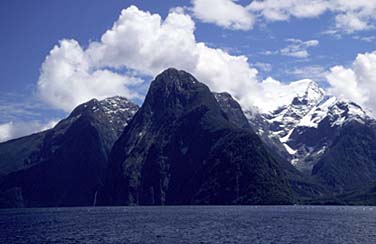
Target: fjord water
(190, 224)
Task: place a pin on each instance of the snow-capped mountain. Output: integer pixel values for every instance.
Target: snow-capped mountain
(308, 125)
(285, 118)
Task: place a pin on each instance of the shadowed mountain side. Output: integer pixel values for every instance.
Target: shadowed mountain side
(66, 165)
(181, 148)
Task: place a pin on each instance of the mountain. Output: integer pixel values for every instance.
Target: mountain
(302, 186)
(187, 145)
(329, 138)
(349, 163)
(315, 133)
(181, 148)
(66, 165)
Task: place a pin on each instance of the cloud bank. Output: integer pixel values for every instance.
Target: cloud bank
(139, 44)
(349, 15)
(142, 44)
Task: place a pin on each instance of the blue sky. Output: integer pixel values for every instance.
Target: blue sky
(299, 46)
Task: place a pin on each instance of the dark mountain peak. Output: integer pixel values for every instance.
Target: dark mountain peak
(175, 79)
(173, 92)
(172, 74)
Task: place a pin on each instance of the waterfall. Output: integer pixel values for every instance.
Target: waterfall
(95, 199)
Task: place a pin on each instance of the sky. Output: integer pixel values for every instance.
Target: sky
(55, 55)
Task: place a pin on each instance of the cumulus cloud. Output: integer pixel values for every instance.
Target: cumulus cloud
(223, 72)
(349, 15)
(69, 78)
(298, 48)
(12, 130)
(358, 82)
(225, 13)
(143, 44)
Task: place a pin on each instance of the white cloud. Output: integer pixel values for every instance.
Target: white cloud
(349, 15)
(365, 38)
(223, 72)
(68, 78)
(350, 22)
(5, 132)
(358, 82)
(266, 67)
(298, 48)
(276, 10)
(314, 72)
(12, 130)
(354, 15)
(143, 44)
(225, 13)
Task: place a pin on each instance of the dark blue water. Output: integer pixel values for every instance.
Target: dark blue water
(233, 224)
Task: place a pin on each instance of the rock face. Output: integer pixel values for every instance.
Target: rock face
(232, 110)
(66, 165)
(181, 148)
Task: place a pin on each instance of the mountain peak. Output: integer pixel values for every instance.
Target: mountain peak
(173, 90)
(182, 147)
(173, 75)
(314, 92)
(312, 95)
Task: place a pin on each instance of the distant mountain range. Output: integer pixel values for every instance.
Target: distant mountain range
(187, 145)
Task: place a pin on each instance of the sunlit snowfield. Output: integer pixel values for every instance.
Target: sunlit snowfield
(185, 224)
